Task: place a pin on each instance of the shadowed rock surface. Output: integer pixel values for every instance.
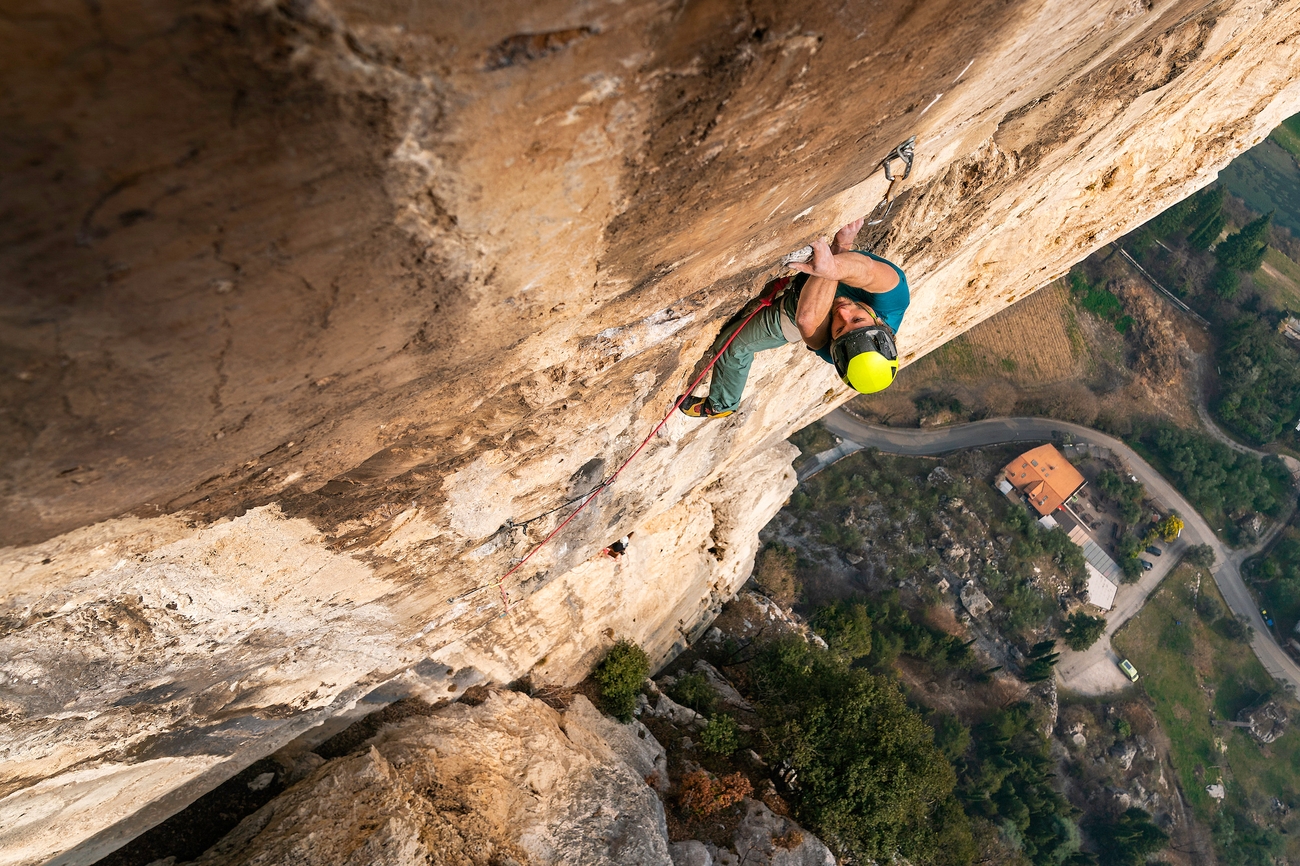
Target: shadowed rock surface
(314, 314)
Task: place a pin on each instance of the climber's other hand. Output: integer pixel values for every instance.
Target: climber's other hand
(823, 262)
(846, 235)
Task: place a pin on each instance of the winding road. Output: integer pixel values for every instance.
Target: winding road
(1095, 671)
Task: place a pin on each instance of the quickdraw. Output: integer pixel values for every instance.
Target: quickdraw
(906, 153)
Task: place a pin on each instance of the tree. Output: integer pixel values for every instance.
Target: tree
(1082, 631)
(1206, 203)
(1226, 283)
(1260, 386)
(619, 677)
(1215, 478)
(1173, 219)
(1205, 234)
(846, 628)
(1244, 250)
(1206, 217)
(721, 736)
(1130, 839)
(1042, 658)
(693, 690)
(870, 779)
(1010, 781)
(1200, 555)
(1128, 494)
(1171, 527)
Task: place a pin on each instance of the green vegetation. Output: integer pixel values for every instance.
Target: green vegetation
(1204, 219)
(1193, 672)
(1259, 394)
(1129, 839)
(1221, 483)
(1100, 302)
(1261, 380)
(1285, 288)
(1244, 250)
(1082, 631)
(1244, 843)
(846, 628)
(619, 677)
(932, 404)
(811, 441)
(1276, 575)
(1008, 781)
(1042, 659)
(882, 630)
(1267, 179)
(1288, 135)
(1128, 495)
(693, 690)
(898, 503)
(1200, 554)
(721, 736)
(870, 780)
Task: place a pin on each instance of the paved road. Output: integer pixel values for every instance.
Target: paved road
(1094, 671)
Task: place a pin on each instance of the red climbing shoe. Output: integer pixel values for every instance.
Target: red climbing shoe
(698, 407)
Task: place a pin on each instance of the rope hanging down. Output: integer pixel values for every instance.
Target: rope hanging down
(777, 288)
(902, 152)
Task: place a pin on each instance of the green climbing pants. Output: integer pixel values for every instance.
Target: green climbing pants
(772, 327)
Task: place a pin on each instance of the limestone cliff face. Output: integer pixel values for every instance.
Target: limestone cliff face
(315, 313)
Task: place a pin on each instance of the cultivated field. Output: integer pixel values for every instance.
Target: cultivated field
(1033, 342)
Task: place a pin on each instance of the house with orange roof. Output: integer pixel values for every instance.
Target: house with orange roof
(1045, 478)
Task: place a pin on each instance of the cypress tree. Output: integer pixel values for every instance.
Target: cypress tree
(1206, 204)
(1226, 283)
(1244, 250)
(1207, 231)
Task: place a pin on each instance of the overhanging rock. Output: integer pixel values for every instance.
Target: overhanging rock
(311, 310)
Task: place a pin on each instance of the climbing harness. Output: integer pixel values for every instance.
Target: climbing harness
(903, 152)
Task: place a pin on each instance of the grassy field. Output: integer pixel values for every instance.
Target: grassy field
(1191, 674)
(1280, 278)
(1288, 135)
(1268, 179)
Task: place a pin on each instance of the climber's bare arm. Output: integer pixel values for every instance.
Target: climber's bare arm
(813, 315)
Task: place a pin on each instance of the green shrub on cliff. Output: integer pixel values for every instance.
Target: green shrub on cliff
(721, 736)
(619, 677)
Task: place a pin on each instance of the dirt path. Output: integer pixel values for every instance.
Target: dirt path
(1203, 411)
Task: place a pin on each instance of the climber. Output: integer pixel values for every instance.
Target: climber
(845, 307)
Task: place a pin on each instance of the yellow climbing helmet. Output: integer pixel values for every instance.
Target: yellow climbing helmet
(866, 358)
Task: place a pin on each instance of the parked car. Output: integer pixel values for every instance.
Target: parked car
(1146, 566)
(1153, 550)
(1129, 671)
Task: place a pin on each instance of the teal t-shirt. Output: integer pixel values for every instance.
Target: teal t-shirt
(889, 306)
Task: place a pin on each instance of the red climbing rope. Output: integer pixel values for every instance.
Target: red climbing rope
(765, 301)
